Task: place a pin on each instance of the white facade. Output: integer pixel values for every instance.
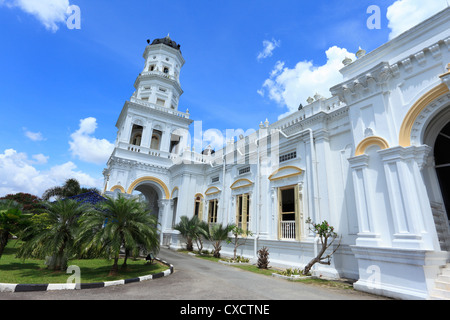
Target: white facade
(368, 160)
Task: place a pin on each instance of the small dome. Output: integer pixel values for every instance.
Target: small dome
(167, 41)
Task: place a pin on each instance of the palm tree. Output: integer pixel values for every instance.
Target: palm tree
(188, 229)
(70, 188)
(56, 241)
(201, 232)
(119, 223)
(217, 234)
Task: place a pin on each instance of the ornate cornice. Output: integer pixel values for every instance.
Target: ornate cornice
(364, 85)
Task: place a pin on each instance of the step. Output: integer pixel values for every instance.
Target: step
(446, 271)
(444, 278)
(438, 294)
(442, 285)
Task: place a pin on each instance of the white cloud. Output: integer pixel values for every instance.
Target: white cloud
(88, 148)
(268, 47)
(49, 12)
(17, 174)
(40, 158)
(290, 87)
(34, 136)
(405, 14)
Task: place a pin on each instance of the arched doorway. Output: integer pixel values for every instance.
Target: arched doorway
(151, 190)
(436, 174)
(148, 194)
(442, 164)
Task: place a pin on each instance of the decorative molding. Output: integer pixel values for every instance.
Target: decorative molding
(416, 109)
(237, 184)
(212, 190)
(117, 187)
(365, 84)
(173, 191)
(152, 179)
(369, 141)
(296, 172)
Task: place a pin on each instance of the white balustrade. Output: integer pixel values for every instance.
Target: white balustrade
(288, 230)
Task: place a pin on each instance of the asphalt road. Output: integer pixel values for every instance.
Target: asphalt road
(201, 280)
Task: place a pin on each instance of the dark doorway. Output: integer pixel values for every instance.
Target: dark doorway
(442, 162)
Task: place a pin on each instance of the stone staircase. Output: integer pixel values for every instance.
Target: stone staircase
(441, 290)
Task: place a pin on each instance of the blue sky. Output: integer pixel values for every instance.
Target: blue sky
(52, 77)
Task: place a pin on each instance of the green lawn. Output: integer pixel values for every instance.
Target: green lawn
(268, 272)
(30, 271)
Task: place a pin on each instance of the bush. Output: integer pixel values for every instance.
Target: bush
(263, 258)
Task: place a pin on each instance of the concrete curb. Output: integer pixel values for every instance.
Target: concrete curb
(8, 287)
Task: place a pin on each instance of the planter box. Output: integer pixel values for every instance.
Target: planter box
(291, 278)
(235, 263)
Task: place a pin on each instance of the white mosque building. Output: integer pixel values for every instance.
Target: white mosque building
(373, 160)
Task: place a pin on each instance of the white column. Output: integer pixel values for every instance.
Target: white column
(412, 216)
(147, 135)
(125, 134)
(367, 235)
(164, 213)
(165, 139)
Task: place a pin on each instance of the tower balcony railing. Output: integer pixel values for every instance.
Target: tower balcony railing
(160, 108)
(146, 151)
(158, 73)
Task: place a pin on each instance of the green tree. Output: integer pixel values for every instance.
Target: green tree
(115, 224)
(12, 220)
(327, 236)
(56, 242)
(70, 188)
(201, 233)
(239, 238)
(30, 203)
(217, 234)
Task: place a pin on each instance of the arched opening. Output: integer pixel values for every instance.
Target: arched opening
(148, 194)
(436, 172)
(198, 206)
(156, 140)
(442, 164)
(136, 135)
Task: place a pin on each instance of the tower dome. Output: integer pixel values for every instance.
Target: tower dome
(167, 41)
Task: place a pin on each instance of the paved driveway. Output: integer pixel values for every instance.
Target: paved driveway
(199, 279)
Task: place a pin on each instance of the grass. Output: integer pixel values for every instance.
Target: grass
(268, 272)
(31, 271)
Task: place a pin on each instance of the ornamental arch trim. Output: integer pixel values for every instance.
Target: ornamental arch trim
(370, 141)
(117, 187)
(415, 111)
(159, 182)
(292, 172)
(241, 183)
(212, 190)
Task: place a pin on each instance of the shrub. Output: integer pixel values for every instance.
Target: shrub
(263, 258)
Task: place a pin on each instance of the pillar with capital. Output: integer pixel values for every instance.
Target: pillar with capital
(164, 216)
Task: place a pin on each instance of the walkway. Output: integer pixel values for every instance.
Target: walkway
(199, 279)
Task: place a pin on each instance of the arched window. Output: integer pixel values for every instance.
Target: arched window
(243, 211)
(137, 139)
(212, 211)
(136, 135)
(156, 140)
(198, 209)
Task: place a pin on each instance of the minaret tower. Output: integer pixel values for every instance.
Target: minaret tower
(151, 129)
(159, 82)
